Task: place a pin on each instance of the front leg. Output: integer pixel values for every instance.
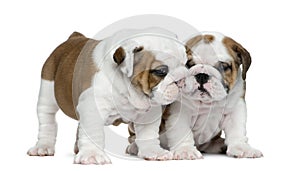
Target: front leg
(91, 145)
(234, 126)
(147, 141)
(179, 134)
(90, 133)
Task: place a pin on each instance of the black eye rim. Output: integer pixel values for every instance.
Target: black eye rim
(160, 71)
(225, 66)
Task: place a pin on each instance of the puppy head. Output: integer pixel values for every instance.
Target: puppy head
(144, 70)
(214, 64)
(150, 62)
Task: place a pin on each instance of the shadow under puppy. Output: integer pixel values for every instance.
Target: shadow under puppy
(213, 100)
(127, 77)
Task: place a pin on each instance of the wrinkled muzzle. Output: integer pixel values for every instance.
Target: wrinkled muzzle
(204, 83)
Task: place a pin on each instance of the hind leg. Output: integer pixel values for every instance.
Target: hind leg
(46, 110)
(215, 146)
(132, 148)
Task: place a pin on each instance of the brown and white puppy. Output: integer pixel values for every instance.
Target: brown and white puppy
(213, 101)
(127, 77)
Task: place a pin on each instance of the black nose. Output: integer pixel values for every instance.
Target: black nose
(202, 78)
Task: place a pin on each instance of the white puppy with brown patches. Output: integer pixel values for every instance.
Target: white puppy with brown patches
(213, 100)
(127, 77)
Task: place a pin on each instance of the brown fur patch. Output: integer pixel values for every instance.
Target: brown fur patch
(239, 54)
(208, 38)
(230, 75)
(192, 42)
(85, 69)
(189, 45)
(190, 63)
(60, 67)
(131, 132)
(144, 61)
(138, 49)
(117, 122)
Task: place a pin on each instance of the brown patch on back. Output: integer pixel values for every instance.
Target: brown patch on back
(239, 54)
(144, 61)
(50, 66)
(85, 69)
(60, 67)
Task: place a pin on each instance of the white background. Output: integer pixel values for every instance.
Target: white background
(30, 30)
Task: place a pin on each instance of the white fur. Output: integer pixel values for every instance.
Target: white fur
(46, 110)
(203, 116)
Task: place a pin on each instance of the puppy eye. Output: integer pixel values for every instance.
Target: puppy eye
(160, 71)
(225, 66)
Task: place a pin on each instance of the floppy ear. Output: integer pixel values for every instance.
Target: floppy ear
(242, 56)
(119, 55)
(124, 57)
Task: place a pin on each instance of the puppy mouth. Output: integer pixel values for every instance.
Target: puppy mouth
(180, 83)
(203, 91)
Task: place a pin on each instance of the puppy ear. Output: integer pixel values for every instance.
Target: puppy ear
(138, 49)
(124, 56)
(242, 56)
(119, 55)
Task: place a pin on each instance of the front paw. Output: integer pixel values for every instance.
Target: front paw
(155, 154)
(186, 153)
(243, 151)
(41, 150)
(91, 157)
